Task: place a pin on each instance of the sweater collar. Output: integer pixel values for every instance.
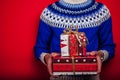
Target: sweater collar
(81, 5)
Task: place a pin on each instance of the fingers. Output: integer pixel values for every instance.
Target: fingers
(99, 64)
(93, 53)
(48, 59)
(49, 65)
(54, 54)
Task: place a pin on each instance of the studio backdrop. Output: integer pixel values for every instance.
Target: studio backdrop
(19, 20)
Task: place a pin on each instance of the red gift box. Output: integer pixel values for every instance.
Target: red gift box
(74, 65)
(73, 45)
(82, 42)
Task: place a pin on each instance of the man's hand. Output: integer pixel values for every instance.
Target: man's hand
(48, 59)
(98, 55)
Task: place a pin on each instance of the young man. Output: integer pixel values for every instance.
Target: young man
(89, 16)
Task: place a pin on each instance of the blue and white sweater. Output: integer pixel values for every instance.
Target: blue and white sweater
(90, 17)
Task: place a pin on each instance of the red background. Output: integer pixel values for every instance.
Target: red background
(18, 30)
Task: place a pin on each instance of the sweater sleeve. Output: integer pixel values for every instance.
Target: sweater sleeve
(107, 45)
(43, 40)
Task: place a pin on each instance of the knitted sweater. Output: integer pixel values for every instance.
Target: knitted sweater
(92, 18)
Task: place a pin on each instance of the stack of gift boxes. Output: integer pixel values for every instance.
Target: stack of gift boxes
(73, 59)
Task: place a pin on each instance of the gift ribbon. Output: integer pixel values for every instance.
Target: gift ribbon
(73, 65)
(70, 31)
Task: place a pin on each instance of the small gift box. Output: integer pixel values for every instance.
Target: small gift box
(64, 44)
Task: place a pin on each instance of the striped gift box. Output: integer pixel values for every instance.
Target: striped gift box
(74, 65)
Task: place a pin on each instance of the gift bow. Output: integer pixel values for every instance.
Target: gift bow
(81, 37)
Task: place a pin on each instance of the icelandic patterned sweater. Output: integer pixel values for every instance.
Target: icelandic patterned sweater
(92, 18)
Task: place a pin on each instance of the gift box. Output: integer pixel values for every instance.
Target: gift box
(64, 44)
(73, 45)
(82, 42)
(74, 65)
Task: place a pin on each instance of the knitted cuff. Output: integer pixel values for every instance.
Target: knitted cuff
(42, 57)
(105, 55)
